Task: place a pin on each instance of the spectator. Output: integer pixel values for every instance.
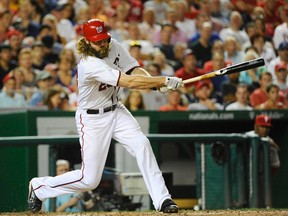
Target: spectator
(217, 12)
(160, 59)
(6, 21)
(160, 6)
(9, 98)
(136, 10)
(64, 73)
(218, 46)
(228, 88)
(25, 63)
(53, 70)
(36, 12)
(64, 26)
(38, 61)
(273, 101)
(203, 92)
(271, 16)
(78, 5)
(148, 27)
(49, 27)
(201, 18)
(282, 56)
(177, 34)
(97, 10)
(235, 29)
(281, 71)
(51, 49)
(67, 202)
(205, 7)
(71, 45)
(245, 8)
(250, 29)
(189, 70)
(68, 55)
(119, 33)
(20, 88)
(153, 69)
(12, 5)
(53, 98)
(183, 23)
(233, 50)
(6, 64)
(28, 41)
(258, 13)
(216, 63)
(122, 12)
(202, 47)
(82, 15)
(178, 51)
(65, 102)
(22, 20)
(260, 95)
(15, 38)
(147, 47)
(43, 84)
(135, 52)
(153, 99)
(242, 99)
(174, 102)
(251, 76)
(266, 52)
(134, 101)
(165, 45)
(281, 31)
(67, 11)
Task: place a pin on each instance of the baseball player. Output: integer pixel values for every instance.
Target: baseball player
(104, 68)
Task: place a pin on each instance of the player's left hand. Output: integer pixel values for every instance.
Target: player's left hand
(173, 83)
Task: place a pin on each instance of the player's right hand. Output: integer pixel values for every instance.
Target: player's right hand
(173, 83)
(163, 89)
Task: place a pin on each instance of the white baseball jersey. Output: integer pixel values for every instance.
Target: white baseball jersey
(98, 78)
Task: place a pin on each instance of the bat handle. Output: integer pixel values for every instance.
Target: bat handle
(194, 79)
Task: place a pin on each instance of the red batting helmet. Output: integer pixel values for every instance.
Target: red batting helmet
(95, 30)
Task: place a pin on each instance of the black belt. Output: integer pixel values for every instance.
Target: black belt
(107, 109)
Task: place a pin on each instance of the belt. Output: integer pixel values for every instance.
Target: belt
(107, 109)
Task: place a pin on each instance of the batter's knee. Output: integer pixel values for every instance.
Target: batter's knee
(142, 143)
(91, 184)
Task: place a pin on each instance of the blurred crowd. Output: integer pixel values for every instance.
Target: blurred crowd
(183, 38)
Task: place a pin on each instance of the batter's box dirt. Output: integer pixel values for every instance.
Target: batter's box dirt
(153, 213)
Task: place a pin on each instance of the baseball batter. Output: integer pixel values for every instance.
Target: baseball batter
(104, 68)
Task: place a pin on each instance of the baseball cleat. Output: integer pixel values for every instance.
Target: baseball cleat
(169, 206)
(34, 204)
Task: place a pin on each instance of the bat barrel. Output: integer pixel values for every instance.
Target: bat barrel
(230, 69)
(254, 63)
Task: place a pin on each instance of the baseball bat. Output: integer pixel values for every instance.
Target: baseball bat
(228, 70)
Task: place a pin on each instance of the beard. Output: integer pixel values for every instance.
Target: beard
(104, 52)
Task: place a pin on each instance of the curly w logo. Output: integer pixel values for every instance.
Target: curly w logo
(99, 29)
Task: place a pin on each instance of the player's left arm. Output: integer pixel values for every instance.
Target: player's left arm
(140, 71)
(143, 72)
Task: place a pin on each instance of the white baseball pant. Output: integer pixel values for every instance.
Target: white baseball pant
(96, 131)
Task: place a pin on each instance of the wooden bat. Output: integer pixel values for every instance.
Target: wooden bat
(228, 70)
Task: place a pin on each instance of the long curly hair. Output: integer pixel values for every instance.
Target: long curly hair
(84, 48)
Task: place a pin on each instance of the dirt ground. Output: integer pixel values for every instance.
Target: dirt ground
(153, 213)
